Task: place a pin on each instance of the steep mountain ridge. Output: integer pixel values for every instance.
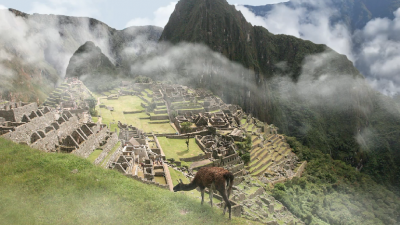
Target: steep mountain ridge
(225, 30)
(325, 103)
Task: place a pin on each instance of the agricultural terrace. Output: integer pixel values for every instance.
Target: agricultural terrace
(139, 120)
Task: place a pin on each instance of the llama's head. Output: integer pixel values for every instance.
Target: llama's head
(179, 186)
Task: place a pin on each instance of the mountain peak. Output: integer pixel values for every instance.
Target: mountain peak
(224, 29)
(89, 60)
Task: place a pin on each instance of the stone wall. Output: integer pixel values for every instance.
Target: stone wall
(236, 168)
(164, 117)
(195, 111)
(212, 108)
(26, 109)
(133, 112)
(93, 142)
(259, 191)
(193, 159)
(191, 135)
(8, 115)
(160, 111)
(164, 186)
(159, 147)
(301, 169)
(23, 132)
(111, 142)
(199, 143)
(238, 180)
(113, 157)
(298, 173)
(168, 177)
(236, 208)
(48, 143)
(231, 160)
(143, 99)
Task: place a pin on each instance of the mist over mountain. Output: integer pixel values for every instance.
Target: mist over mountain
(354, 13)
(366, 31)
(36, 55)
(309, 91)
(333, 115)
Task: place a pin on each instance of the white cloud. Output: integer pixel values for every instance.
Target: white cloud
(305, 24)
(82, 8)
(161, 17)
(35, 41)
(3, 7)
(379, 55)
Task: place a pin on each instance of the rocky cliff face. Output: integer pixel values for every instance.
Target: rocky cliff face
(38, 52)
(307, 90)
(225, 30)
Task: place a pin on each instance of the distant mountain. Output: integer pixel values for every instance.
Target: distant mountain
(89, 64)
(307, 90)
(40, 49)
(354, 13)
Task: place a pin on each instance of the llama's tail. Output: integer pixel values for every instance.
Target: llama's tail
(229, 182)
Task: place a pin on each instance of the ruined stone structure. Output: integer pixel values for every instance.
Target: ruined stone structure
(51, 130)
(71, 94)
(222, 151)
(140, 161)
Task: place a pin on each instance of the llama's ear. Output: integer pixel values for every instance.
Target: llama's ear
(178, 181)
(181, 181)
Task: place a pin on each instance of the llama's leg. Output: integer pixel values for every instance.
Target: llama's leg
(224, 191)
(211, 190)
(211, 196)
(202, 195)
(227, 202)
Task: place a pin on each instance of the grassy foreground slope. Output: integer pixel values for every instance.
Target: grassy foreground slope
(40, 188)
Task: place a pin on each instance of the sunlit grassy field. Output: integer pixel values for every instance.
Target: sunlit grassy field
(40, 188)
(176, 148)
(130, 103)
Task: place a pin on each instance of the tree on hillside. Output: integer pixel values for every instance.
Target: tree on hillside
(185, 128)
(92, 102)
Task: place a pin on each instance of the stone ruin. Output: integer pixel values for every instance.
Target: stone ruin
(140, 161)
(71, 95)
(228, 120)
(222, 151)
(51, 130)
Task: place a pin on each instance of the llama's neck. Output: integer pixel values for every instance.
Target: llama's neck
(189, 187)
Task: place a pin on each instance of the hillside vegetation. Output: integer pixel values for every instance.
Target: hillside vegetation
(42, 188)
(336, 193)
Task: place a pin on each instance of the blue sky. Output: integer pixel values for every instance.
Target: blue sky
(117, 13)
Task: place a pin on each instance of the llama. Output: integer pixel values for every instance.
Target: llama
(213, 178)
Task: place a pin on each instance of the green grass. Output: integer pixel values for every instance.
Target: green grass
(39, 188)
(175, 175)
(95, 154)
(130, 103)
(176, 148)
(148, 91)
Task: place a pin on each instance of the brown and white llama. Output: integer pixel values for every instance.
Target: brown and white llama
(213, 178)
